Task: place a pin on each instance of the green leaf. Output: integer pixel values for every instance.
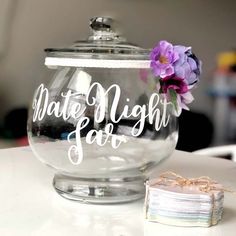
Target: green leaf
(173, 98)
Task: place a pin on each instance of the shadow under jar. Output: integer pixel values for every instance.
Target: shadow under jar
(100, 122)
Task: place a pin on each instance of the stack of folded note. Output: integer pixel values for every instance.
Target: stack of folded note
(171, 203)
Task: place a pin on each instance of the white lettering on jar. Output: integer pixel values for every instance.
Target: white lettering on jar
(155, 112)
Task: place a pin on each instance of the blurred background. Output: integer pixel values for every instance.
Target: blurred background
(29, 26)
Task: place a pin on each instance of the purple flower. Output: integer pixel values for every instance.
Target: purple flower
(178, 70)
(187, 66)
(162, 58)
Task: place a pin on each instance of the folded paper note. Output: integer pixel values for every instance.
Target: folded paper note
(175, 200)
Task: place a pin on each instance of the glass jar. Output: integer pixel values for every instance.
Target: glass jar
(100, 122)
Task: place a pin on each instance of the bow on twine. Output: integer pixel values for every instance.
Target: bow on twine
(204, 183)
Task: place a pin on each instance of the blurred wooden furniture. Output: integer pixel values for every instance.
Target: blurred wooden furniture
(220, 151)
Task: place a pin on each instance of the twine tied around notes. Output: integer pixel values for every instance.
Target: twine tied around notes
(203, 183)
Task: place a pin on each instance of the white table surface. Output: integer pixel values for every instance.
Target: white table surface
(30, 206)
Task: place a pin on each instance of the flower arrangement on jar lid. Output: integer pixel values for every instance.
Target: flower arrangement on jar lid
(177, 70)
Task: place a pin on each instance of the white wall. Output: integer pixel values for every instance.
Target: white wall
(207, 25)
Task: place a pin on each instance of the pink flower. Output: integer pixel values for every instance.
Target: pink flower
(176, 91)
(175, 83)
(182, 100)
(143, 75)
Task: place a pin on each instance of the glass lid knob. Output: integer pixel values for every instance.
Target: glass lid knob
(103, 30)
(101, 23)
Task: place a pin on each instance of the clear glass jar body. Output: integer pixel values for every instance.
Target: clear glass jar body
(103, 130)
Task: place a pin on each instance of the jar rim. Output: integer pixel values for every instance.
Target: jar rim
(53, 62)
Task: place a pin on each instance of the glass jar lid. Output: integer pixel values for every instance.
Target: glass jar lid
(105, 48)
